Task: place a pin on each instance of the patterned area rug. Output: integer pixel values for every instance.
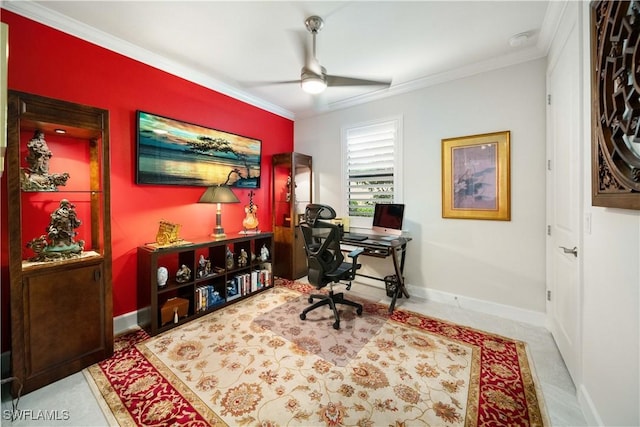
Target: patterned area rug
(316, 334)
(256, 363)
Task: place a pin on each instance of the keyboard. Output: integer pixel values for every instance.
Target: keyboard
(354, 237)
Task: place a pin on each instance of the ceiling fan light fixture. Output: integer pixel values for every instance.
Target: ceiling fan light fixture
(313, 85)
(313, 82)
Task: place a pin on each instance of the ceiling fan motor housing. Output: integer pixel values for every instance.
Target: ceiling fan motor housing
(308, 72)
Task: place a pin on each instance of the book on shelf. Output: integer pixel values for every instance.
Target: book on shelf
(207, 297)
(244, 284)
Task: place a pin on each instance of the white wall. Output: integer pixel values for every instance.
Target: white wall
(610, 389)
(494, 261)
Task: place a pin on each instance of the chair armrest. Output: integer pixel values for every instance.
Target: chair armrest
(355, 253)
(354, 263)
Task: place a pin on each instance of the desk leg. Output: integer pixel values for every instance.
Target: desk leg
(399, 268)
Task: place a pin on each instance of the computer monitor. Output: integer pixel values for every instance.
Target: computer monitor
(387, 218)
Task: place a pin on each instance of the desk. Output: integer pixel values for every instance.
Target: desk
(383, 248)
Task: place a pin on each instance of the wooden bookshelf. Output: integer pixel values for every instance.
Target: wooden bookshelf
(207, 288)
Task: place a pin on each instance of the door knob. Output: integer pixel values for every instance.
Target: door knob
(573, 250)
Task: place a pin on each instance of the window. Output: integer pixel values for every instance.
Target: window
(372, 160)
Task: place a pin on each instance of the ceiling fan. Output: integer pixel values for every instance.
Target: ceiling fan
(313, 76)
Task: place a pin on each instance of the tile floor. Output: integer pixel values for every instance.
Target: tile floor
(70, 402)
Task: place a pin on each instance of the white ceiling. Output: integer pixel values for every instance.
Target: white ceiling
(236, 47)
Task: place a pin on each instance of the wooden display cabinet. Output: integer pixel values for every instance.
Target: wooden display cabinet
(292, 192)
(212, 282)
(61, 310)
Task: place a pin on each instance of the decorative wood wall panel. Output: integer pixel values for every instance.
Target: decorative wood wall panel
(615, 84)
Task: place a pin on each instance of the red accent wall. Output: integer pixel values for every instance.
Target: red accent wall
(51, 63)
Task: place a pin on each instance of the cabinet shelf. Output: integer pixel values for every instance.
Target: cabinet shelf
(172, 286)
(35, 265)
(208, 277)
(60, 191)
(203, 294)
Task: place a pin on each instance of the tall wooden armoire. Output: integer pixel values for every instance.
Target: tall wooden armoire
(292, 191)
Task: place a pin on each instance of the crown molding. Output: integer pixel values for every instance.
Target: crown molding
(521, 56)
(43, 15)
(550, 24)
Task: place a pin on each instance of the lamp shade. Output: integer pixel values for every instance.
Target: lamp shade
(218, 194)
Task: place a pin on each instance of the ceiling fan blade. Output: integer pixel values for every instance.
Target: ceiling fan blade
(269, 83)
(284, 82)
(350, 81)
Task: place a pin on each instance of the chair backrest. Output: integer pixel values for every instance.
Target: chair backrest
(321, 242)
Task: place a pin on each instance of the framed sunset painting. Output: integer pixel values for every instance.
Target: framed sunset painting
(173, 152)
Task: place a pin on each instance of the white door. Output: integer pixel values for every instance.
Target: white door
(564, 189)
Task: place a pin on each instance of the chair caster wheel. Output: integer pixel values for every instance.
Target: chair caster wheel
(303, 316)
(336, 325)
(359, 311)
(310, 300)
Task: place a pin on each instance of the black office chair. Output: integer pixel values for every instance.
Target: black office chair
(325, 261)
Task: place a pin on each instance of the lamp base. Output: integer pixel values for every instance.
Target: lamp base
(252, 231)
(218, 233)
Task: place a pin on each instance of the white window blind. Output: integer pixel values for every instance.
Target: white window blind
(370, 164)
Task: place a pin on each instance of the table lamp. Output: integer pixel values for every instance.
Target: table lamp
(218, 194)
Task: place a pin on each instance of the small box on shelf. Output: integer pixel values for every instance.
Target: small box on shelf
(173, 309)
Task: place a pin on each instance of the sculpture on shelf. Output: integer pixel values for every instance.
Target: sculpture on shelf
(230, 261)
(250, 222)
(243, 258)
(264, 253)
(168, 234)
(204, 266)
(37, 177)
(184, 274)
(163, 276)
(59, 241)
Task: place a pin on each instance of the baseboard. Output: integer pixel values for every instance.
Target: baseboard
(588, 408)
(132, 320)
(530, 317)
(536, 318)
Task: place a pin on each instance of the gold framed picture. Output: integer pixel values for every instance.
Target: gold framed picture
(476, 177)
